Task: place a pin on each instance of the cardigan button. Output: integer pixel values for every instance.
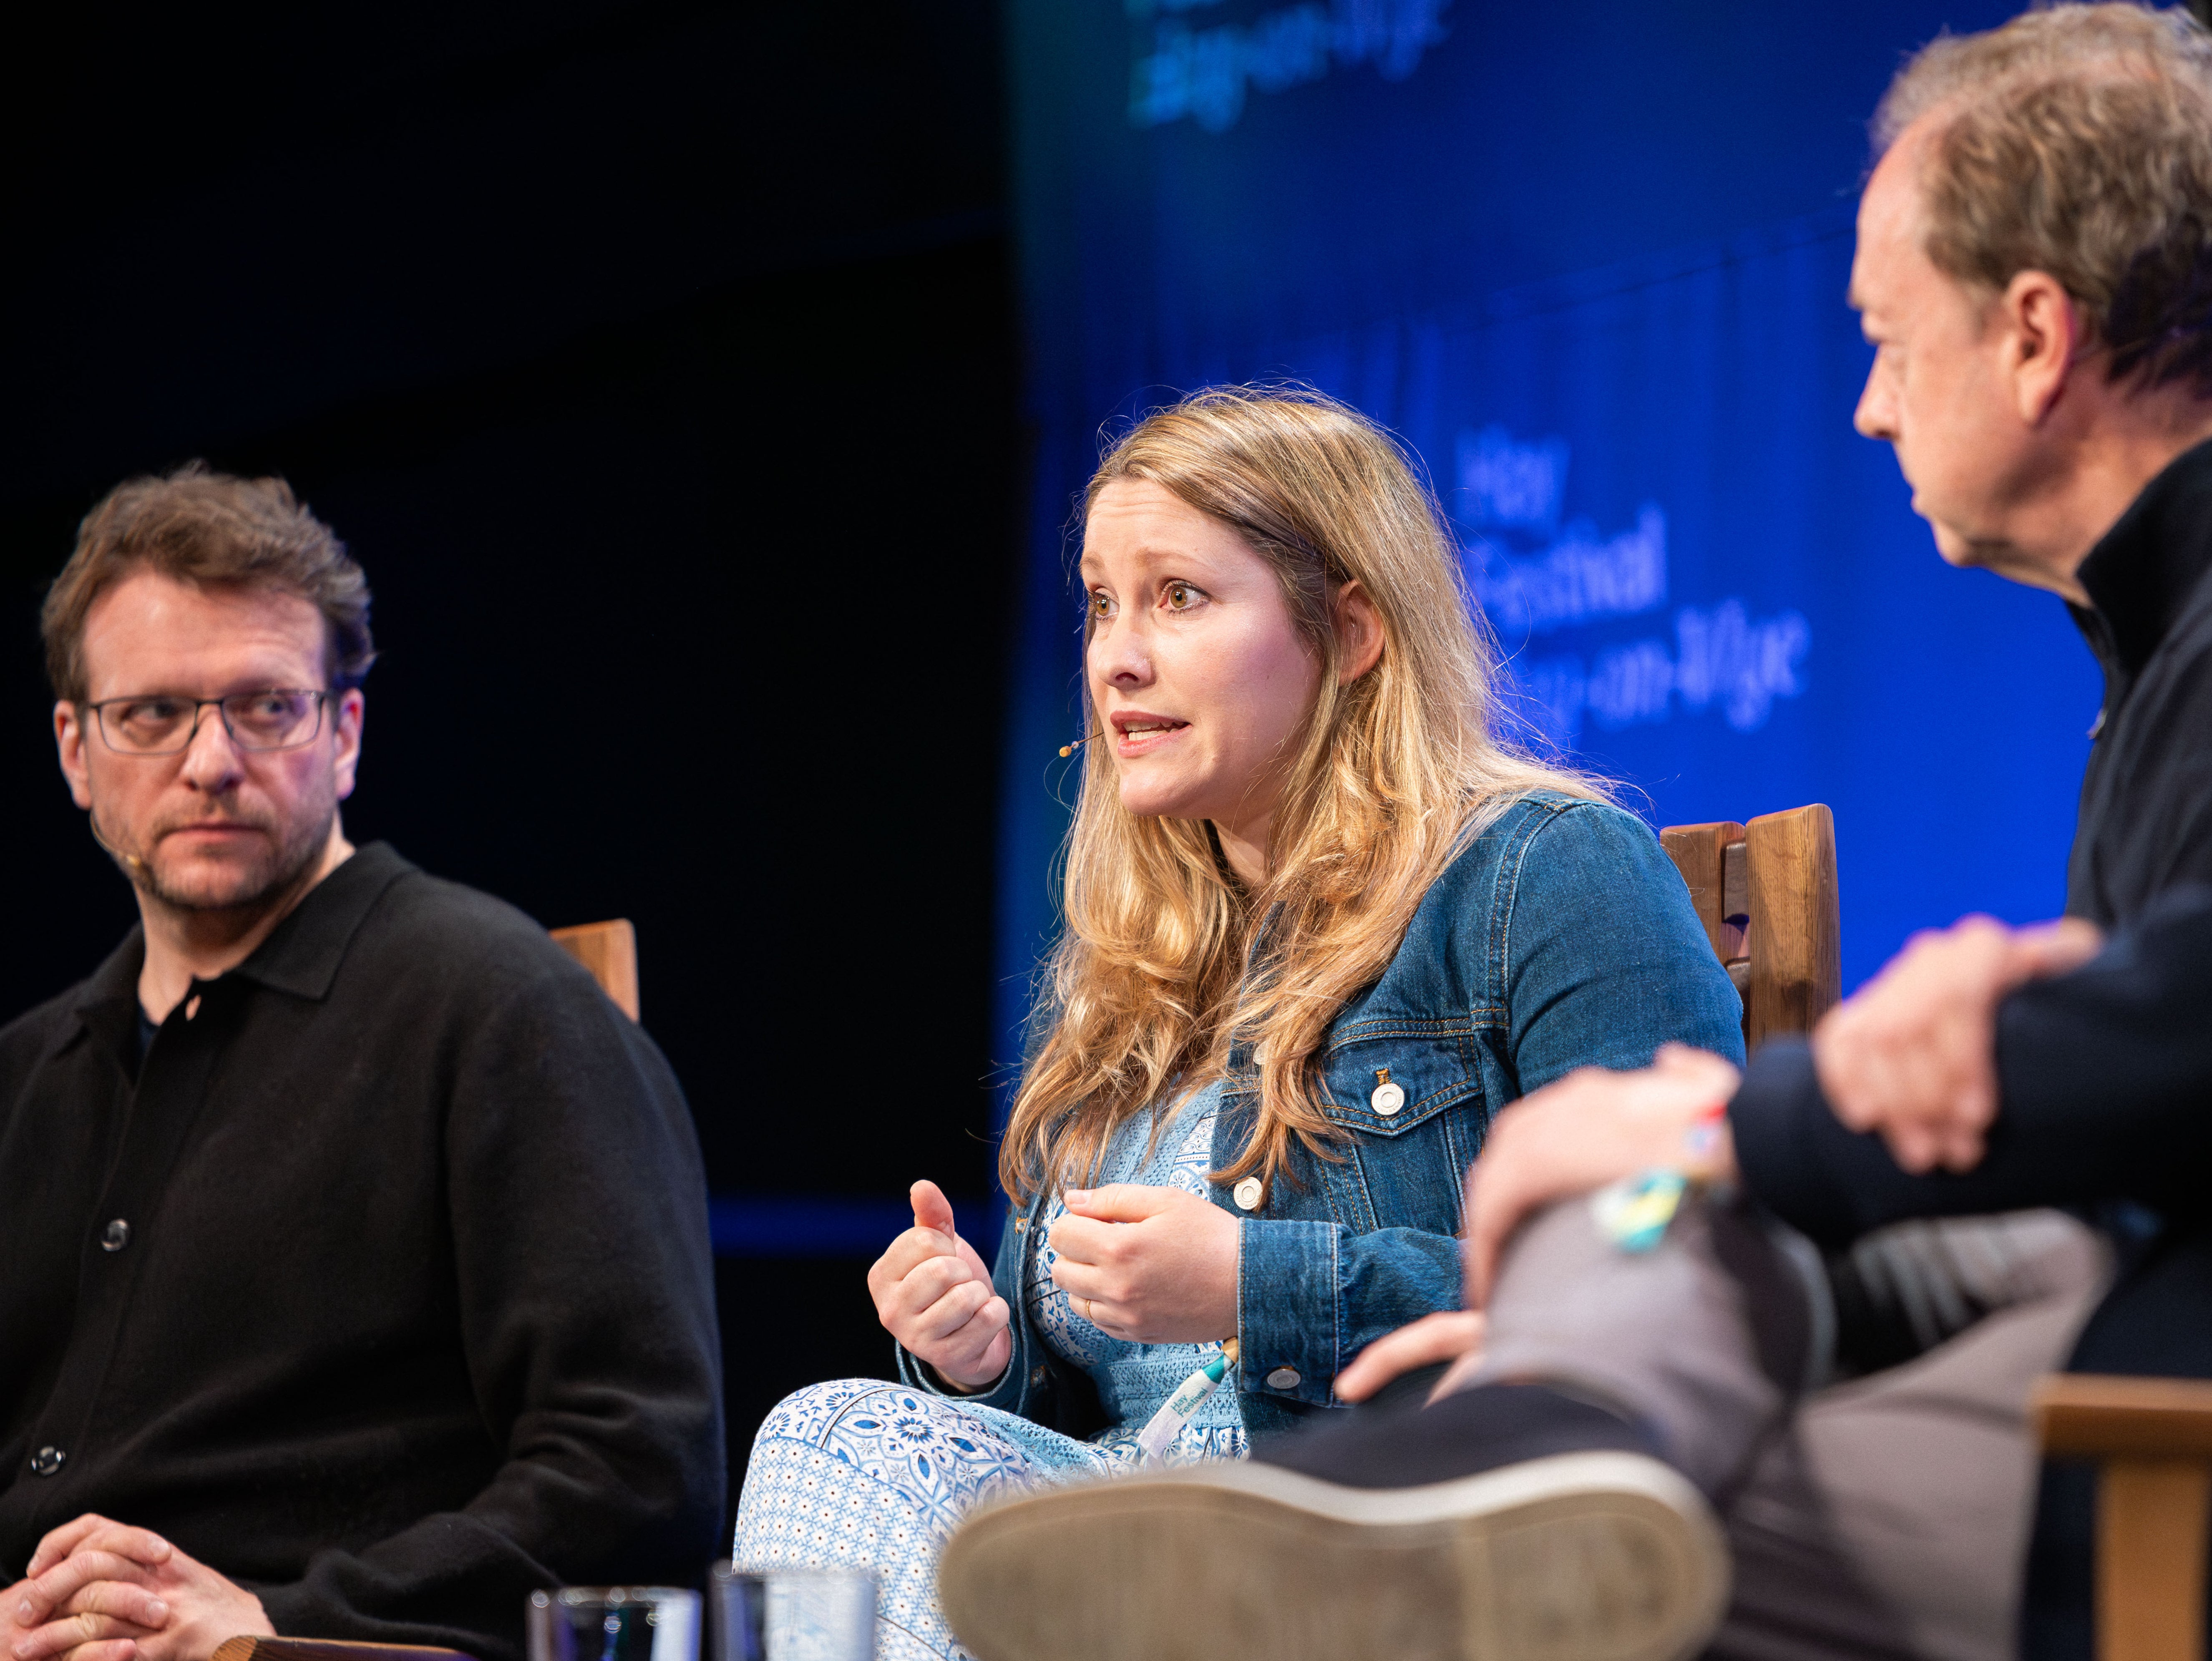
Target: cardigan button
(1283, 1379)
(1249, 1193)
(115, 1235)
(47, 1461)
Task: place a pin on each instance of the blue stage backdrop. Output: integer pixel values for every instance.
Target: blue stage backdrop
(1589, 261)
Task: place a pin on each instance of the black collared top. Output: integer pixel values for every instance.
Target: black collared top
(2105, 1072)
(382, 1284)
(2146, 819)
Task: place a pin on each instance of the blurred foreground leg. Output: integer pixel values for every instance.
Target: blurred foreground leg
(1602, 1557)
(1512, 1522)
(1526, 1519)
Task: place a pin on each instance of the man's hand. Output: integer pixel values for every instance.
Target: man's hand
(1590, 1129)
(934, 1295)
(1912, 1054)
(1450, 1334)
(100, 1591)
(1148, 1265)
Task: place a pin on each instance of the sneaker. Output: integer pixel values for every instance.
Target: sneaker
(1605, 1556)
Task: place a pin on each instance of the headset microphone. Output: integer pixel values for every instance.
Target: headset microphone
(1070, 749)
(92, 817)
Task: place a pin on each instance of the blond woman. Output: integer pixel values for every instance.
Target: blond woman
(1323, 922)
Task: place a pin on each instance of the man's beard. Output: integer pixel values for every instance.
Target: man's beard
(264, 882)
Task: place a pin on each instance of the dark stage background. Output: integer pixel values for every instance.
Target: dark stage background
(569, 318)
(705, 389)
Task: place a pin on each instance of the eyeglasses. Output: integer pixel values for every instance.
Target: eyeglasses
(158, 724)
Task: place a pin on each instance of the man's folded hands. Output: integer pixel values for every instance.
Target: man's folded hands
(1912, 1054)
(100, 1591)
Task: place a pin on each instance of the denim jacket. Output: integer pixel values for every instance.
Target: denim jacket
(1561, 937)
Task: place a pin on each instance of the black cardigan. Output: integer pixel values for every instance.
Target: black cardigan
(2106, 1085)
(383, 1286)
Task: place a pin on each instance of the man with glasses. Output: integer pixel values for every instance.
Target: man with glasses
(354, 1271)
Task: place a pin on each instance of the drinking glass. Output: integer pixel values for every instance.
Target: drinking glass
(792, 1615)
(614, 1623)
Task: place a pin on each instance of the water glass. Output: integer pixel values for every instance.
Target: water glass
(613, 1623)
(793, 1614)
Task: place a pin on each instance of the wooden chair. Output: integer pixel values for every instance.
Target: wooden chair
(1766, 894)
(609, 950)
(2153, 1439)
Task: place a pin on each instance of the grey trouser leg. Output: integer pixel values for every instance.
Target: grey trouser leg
(1666, 1335)
(1887, 1517)
(1905, 1289)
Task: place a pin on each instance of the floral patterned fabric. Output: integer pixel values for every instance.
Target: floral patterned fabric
(864, 1474)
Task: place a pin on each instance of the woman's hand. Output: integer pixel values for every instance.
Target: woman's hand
(1448, 1334)
(1148, 1265)
(934, 1295)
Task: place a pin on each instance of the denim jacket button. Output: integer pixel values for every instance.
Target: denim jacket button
(1388, 1098)
(1248, 1194)
(1283, 1379)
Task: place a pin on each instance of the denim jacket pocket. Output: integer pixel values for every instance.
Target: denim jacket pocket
(1385, 1077)
(1410, 1093)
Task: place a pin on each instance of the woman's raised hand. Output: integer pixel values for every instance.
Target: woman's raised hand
(1148, 1265)
(934, 1295)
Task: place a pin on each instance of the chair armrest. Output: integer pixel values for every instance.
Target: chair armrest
(2092, 1417)
(2152, 1440)
(248, 1648)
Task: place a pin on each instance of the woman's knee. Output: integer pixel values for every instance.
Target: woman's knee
(807, 1414)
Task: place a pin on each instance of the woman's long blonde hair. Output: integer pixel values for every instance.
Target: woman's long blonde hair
(1395, 772)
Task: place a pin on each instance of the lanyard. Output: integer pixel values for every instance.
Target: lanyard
(1161, 1430)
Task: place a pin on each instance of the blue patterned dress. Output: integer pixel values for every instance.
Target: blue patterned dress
(868, 1475)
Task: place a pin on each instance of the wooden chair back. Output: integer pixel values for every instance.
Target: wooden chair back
(1766, 894)
(2152, 1438)
(609, 950)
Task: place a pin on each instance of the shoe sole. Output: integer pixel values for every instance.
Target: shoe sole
(1580, 1557)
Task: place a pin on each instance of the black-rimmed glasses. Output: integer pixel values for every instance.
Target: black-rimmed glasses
(161, 724)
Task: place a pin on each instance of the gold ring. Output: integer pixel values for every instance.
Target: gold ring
(1087, 1307)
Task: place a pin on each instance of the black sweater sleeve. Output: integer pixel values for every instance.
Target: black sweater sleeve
(2106, 1079)
(585, 1298)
